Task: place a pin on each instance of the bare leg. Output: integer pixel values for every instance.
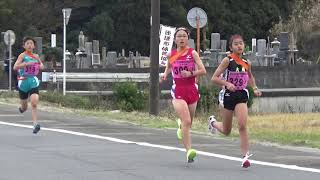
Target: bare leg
(241, 112)
(226, 125)
(182, 110)
(34, 102)
(24, 105)
(192, 110)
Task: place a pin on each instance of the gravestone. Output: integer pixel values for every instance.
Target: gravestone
(215, 41)
(123, 53)
(284, 47)
(95, 47)
(262, 50)
(223, 50)
(284, 41)
(95, 53)
(131, 60)
(215, 50)
(254, 45)
(252, 55)
(137, 59)
(223, 45)
(88, 51)
(191, 43)
(111, 59)
(104, 57)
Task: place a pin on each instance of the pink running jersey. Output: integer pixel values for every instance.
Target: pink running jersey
(185, 62)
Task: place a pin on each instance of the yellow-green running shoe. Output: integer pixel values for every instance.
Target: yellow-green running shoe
(179, 130)
(191, 154)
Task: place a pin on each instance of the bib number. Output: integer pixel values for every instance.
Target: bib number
(181, 66)
(238, 79)
(32, 70)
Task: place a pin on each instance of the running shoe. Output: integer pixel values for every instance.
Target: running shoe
(191, 154)
(211, 122)
(20, 110)
(245, 162)
(36, 128)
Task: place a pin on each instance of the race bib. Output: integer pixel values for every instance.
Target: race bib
(238, 79)
(179, 66)
(32, 69)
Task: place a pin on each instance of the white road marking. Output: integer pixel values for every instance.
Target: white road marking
(221, 156)
(11, 115)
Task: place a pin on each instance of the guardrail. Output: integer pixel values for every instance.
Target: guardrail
(95, 77)
(281, 92)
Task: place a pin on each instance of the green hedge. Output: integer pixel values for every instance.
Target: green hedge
(128, 97)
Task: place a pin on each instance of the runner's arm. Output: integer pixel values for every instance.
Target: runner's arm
(19, 64)
(168, 66)
(221, 68)
(40, 62)
(252, 81)
(201, 69)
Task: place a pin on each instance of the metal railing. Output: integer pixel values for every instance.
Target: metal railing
(95, 77)
(57, 77)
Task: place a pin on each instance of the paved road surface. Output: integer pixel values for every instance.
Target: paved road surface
(74, 147)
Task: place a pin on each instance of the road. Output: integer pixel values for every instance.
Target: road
(71, 146)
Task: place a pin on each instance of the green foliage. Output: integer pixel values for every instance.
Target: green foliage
(304, 27)
(101, 27)
(53, 53)
(126, 23)
(251, 96)
(129, 97)
(73, 101)
(208, 99)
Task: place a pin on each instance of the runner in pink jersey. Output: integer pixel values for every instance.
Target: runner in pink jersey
(185, 65)
(234, 96)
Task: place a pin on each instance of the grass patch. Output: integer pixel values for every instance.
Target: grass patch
(294, 129)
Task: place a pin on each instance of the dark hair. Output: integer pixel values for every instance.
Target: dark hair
(233, 37)
(182, 29)
(25, 39)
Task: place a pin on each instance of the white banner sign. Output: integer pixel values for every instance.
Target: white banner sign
(166, 42)
(53, 40)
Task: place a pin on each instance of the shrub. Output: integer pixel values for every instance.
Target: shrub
(251, 96)
(128, 96)
(208, 98)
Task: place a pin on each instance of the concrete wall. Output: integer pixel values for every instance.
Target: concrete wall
(294, 104)
(287, 77)
(266, 77)
(279, 77)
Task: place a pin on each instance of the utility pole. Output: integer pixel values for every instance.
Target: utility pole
(154, 51)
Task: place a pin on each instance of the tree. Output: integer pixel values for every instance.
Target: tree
(304, 23)
(126, 23)
(101, 27)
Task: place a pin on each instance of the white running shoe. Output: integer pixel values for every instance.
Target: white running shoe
(211, 122)
(245, 162)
